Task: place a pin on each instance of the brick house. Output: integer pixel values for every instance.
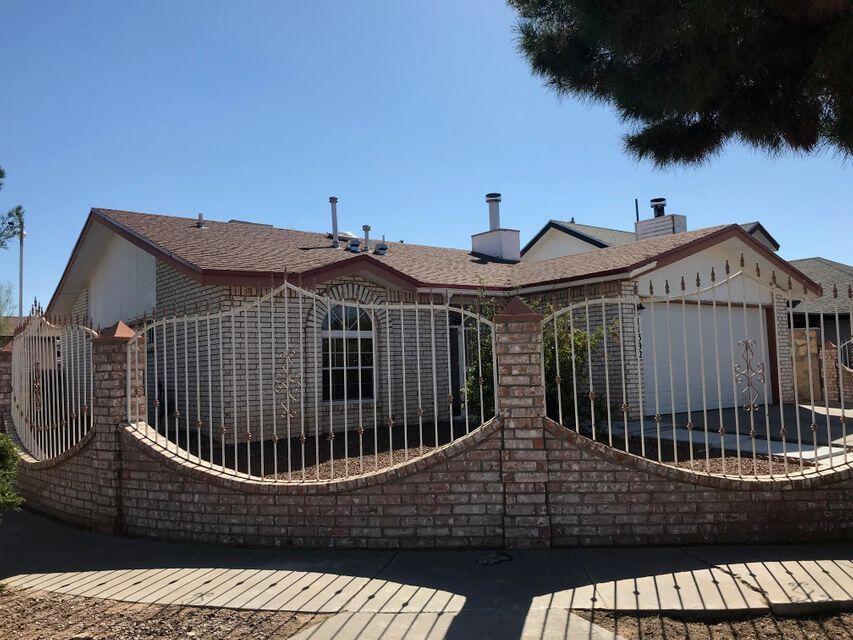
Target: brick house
(128, 266)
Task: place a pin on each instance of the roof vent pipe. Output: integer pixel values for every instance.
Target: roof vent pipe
(333, 201)
(494, 201)
(200, 223)
(658, 206)
(366, 229)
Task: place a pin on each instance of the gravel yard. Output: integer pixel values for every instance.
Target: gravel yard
(38, 615)
(766, 627)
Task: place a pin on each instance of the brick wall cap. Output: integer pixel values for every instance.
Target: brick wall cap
(28, 461)
(145, 439)
(119, 332)
(677, 474)
(517, 310)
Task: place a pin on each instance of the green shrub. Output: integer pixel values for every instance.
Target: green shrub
(8, 465)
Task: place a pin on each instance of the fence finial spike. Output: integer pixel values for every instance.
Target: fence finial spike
(713, 275)
(790, 284)
(850, 291)
(742, 261)
(683, 287)
(666, 286)
(773, 278)
(834, 291)
(698, 281)
(757, 270)
(636, 292)
(728, 268)
(651, 288)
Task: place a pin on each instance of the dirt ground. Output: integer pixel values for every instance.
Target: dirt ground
(766, 627)
(38, 615)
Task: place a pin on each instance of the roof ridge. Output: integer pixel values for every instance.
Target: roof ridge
(591, 225)
(106, 211)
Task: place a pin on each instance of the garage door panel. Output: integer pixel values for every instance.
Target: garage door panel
(694, 350)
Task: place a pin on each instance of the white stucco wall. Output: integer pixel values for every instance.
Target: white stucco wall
(122, 286)
(554, 244)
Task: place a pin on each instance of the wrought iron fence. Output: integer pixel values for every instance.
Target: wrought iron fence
(723, 376)
(51, 384)
(297, 386)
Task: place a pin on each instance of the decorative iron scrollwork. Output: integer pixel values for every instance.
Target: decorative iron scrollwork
(288, 381)
(748, 373)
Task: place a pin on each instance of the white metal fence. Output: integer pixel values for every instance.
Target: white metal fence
(297, 386)
(51, 384)
(722, 375)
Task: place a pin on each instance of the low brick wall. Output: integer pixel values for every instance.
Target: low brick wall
(519, 481)
(598, 496)
(450, 498)
(68, 486)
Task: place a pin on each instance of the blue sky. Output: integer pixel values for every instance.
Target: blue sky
(409, 112)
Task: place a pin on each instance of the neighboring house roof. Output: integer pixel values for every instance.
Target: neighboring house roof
(828, 274)
(8, 324)
(251, 254)
(601, 237)
(598, 237)
(752, 227)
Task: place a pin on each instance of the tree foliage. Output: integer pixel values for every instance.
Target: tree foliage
(12, 222)
(688, 76)
(5, 311)
(8, 465)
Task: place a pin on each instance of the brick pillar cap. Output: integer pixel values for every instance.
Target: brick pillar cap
(517, 311)
(118, 332)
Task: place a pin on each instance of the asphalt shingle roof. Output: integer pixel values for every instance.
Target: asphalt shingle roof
(245, 249)
(828, 274)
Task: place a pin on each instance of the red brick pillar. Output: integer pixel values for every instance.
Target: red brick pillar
(521, 407)
(109, 410)
(5, 387)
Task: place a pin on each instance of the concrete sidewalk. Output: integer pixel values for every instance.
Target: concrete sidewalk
(431, 594)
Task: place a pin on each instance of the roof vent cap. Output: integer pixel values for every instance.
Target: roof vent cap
(381, 248)
(354, 245)
(658, 206)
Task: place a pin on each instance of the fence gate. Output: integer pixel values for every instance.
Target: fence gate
(51, 385)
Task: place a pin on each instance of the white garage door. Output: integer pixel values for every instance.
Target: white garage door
(681, 384)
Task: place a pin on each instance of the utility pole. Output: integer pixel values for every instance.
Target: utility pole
(21, 275)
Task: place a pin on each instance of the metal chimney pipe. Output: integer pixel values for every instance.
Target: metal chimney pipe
(658, 206)
(333, 201)
(494, 202)
(200, 223)
(366, 229)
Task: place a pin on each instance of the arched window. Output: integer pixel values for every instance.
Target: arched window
(347, 336)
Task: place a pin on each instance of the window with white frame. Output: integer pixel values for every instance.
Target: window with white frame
(347, 367)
